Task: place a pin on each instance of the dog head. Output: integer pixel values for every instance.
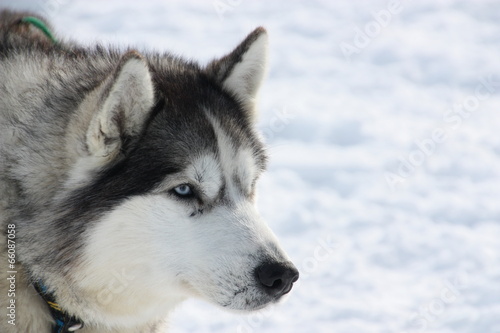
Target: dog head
(168, 164)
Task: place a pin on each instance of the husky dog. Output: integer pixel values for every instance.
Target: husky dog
(128, 184)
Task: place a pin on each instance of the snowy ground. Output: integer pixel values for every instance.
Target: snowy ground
(383, 123)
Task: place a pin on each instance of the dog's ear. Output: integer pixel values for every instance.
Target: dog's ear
(126, 100)
(241, 71)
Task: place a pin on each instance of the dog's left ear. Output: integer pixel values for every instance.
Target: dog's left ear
(127, 99)
(241, 71)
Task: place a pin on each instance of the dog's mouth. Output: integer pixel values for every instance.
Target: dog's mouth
(251, 299)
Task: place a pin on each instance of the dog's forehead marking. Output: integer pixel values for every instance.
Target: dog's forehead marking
(237, 162)
(206, 171)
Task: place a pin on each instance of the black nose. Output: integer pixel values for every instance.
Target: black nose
(277, 278)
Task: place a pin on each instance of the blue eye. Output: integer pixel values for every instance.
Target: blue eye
(183, 191)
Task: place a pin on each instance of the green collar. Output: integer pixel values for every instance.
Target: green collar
(39, 24)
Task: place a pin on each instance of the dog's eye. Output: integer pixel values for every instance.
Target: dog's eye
(183, 191)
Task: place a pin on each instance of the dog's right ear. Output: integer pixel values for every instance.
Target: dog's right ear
(126, 100)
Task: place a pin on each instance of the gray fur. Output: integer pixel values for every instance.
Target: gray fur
(50, 97)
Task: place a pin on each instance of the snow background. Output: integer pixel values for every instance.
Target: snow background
(384, 179)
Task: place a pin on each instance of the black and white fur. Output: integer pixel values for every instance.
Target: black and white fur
(130, 179)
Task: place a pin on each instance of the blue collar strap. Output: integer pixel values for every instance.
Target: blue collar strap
(64, 322)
